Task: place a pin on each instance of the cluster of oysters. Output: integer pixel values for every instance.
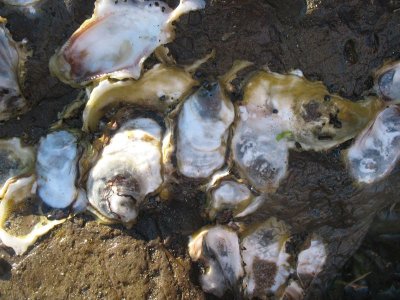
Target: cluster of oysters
(144, 131)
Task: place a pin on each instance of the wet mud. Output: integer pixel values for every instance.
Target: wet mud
(336, 41)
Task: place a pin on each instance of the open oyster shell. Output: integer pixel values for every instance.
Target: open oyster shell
(128, 170)
(218, 249)
(229, 197)
(278, 111)
(117, 39)
(376, 150)
(266, 260)
(17, 181)
(202, 132)
(203, 127)
(159, 88)
(13, 56)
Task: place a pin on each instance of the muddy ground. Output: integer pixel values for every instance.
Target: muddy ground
(337, 41)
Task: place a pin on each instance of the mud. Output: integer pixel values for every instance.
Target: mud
(339, 42)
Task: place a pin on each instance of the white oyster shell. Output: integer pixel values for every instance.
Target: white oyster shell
(218, 249)
(203, 128)
(260, 156)
(231, 195)
(117, 39)
(387, 82)
(57, 169)
(266, 261)
(376, 150)
(128, 170)
(13, 56)
(311, 260)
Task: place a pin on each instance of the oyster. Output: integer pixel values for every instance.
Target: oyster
(129, 169)
(218, 249)
(13, 56)
(376, 150)
(159, 88)
(15, 161)
(279, 110)
(57, 169)
(117, 39)
(387, 82)
(232, 196)
(266, 260)
(17, 184)
(202, 131)
(310, 261)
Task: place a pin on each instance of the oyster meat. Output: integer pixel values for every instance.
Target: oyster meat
(129, 169)
(57, 170)
(117, 39)
(202, 131)
(13, 56)
(376, 150)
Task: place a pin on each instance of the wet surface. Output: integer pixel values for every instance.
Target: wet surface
(339, 42)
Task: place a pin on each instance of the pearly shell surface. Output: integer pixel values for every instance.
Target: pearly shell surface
(387, 82)
(203, 128)
(260, 157)
(311, 260)
(117, 39)
(218, 249)
(265, 258)
(376, 150)
(57, 169)
(128, 170)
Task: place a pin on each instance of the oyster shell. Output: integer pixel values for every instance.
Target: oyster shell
(159, 88)
(266, 260)
(376, 150)
(129, 169)
(311, 261)
(260, 157)
(57, 170)
(218, 249)
(117, 39)
(17, 184)
(387, 82)
(202, 131)
(233, 196)
(13, 56)
(279, 110)
(15, 161)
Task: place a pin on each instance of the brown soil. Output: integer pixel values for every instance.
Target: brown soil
(339, 42)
